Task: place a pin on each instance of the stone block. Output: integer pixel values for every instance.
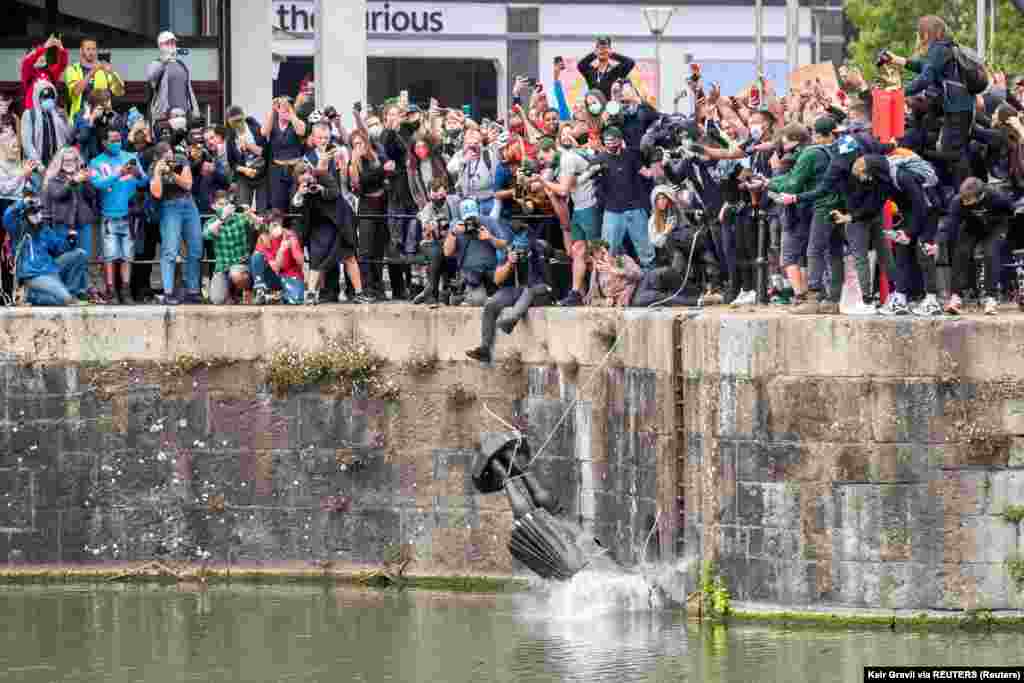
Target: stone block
(16, 499)
(818, 410)
(767, 461)
(993, 538)
(1007, 489)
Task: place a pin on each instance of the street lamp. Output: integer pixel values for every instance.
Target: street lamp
(657, 19)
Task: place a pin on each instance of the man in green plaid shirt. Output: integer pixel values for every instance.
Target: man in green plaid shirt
(229, 232)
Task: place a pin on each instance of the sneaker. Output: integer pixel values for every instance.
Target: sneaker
(312, 297)
(193, 298)
(259, 296)
(928, 307)
(991, 305)
(809, 304)
(507, 325)
(862, 308)
(479, 354)
(740, 300)
(954, 305)
(423, 296)
(896, 305)
(363, 298)
(572, 299)
(127, 299)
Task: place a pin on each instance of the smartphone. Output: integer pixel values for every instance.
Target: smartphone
(532, 82)
(467, 110)
(755, 97)
(104, 57)
(560, 60)
(403, 97)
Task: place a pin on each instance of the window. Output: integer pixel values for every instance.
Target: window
(523, 20)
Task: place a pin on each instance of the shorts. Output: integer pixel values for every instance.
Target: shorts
(586, 224)
(118, 244)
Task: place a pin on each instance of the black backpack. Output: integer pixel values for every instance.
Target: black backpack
(970, 68)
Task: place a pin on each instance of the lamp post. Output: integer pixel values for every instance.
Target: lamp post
(657, 19)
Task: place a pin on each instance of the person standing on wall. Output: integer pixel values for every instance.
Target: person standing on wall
(602, 67)
(169, 82)
(90, 74)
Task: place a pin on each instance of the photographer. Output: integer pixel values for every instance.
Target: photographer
(679, 244)
(93, 122)
(69, 198)
(522, 282)
(47, 62)
(229, 231)
(475, 239)
(327, 229)
(209, 172)
(53, 271)
(585, 223)
(89, 75)
(171, 186)
(168, 81)
(437, 217)
(939, 70)
(625, 195)
(117, 176)
(247, 158)
(277, 263)
(978, 215)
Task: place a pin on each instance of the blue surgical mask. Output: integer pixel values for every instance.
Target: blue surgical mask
(114, 147)
(48, 105)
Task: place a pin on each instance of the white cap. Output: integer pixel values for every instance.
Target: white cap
(165, 37)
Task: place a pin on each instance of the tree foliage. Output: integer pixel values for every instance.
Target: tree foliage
(892, 24)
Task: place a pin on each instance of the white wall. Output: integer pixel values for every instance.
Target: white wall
(252, 84)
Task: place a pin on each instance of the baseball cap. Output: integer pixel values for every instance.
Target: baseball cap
(604, 41)
(825, 125)
(611, 132)
(235, 112)
(165, 37)
(469, 209)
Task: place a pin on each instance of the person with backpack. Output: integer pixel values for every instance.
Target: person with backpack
(955, 73)
(169, 82)
(825, 235)
(978, 215)
(912, 184)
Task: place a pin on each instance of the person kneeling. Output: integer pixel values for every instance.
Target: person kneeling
(277, 263)
(229, 232)
(50, 266)
(613, 279)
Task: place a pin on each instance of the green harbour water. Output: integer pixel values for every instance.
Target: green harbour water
(305, 634)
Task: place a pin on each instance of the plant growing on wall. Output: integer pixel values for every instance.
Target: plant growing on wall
(350, 367)
(714, 592)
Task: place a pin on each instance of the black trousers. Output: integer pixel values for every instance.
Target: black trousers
(993, 243)
(518, 300)
(142, 273)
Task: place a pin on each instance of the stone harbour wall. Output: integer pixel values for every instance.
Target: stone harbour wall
(857, 462)
(118, 447)
(816, 460)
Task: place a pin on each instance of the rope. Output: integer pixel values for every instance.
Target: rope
(686, 277)
(572, 406)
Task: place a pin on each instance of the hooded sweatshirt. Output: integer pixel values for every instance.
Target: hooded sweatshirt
(30, 73)
(678, 229)
(42, 132)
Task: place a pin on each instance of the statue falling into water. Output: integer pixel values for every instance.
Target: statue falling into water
(543, 540)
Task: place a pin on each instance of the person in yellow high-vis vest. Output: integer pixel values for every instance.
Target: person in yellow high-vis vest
(90, 74)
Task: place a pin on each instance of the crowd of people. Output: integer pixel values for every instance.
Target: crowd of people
(753, 199)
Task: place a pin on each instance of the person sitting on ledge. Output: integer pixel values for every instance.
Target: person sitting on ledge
(49, 265)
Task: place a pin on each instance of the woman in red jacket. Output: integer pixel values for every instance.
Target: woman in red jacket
(42, 63)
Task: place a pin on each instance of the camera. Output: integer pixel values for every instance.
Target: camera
(357, 106)
(314, 189)
(105, 118)
(472, 227)
(521, 253)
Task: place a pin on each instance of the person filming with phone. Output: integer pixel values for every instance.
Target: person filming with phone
(92, 72)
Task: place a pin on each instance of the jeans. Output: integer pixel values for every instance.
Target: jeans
(826, 238)
(264, 276)
(179, 219)
(59, 288)
(633, 223)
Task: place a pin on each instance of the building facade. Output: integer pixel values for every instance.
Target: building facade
(462, 52)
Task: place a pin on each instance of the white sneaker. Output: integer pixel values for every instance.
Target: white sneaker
(896, 304)
(928, 307)
(862, 309)
(991, 306)
(740, 299)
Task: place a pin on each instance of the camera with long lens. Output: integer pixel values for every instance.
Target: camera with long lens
(472, 227)
(177, 166)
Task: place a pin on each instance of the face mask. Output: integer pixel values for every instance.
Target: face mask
(422, 153)
(48, 104)
(35, 218)
(177, 123)
(69, 166)
(375, 131)
(756, 132)
(583, 139)
(613, 144)
(613, 108)
(168, 52)
(595, 108)
(114, 147)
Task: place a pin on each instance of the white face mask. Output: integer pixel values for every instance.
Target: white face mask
(177, 123)
(756, 132)
(35, 218)
(168, 51)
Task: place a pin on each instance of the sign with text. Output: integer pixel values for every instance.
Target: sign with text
(411, 18)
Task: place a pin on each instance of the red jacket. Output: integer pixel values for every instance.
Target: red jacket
(30, 74)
